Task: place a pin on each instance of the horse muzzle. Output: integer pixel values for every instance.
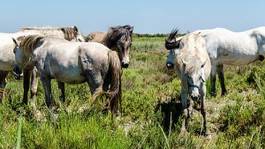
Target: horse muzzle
(170, 65)
(194, 94)
(17, 72)
(125, 65)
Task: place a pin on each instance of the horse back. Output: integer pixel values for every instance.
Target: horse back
(97, 37)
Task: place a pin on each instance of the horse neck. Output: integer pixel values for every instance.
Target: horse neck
(108, 43)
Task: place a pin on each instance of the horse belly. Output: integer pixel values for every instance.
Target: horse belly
(71, 79)
(71, 76)
(238, 59)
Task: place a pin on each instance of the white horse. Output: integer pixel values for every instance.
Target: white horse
(72, 62)
(8, 41)
(193, 65)
(231, 48)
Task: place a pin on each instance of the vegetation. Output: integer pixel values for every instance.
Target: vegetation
(236, 120)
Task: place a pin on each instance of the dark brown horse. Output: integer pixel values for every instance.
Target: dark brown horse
(117, 38)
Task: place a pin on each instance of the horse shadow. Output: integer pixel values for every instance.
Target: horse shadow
(171, 111)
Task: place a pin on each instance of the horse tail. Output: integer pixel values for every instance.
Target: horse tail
(115, 82)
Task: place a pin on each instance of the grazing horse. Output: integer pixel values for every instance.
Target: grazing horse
(231, 48)
(117, 38)
(72, 62)
(10, 40)
(193, 65)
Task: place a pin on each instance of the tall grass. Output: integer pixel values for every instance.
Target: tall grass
(235, 121)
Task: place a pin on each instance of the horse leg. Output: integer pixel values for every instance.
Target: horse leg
(203, 111)
(26, 83)
(213, 80)
(220, 71)
(46, 82)
(95, 83)
(34, 84)
(185, 107)
(3, 75)
(61, 86)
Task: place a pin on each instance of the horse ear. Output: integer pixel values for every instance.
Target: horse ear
(112, 30)
(75, 28)
(15, 41)
(131, 29)
(39, 38)
(63, 30)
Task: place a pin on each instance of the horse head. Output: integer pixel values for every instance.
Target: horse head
(23, 53)
(193, 74)
(120, 38)
(171, 43)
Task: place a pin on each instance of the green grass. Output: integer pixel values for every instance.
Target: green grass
(235, 121)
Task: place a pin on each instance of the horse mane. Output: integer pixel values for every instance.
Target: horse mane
(173, 34)
(115, 33)
(170, 42)
(70, 33)
(30, 42)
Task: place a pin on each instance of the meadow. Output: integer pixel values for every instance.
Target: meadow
(150, 95)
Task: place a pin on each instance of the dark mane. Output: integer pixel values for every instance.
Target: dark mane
(115, 33)
(70, 33)
(173, 34)
(170, 42)
(29, 43)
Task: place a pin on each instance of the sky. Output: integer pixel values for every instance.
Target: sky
(147, 16)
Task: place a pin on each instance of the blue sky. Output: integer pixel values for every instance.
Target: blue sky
(147, 16)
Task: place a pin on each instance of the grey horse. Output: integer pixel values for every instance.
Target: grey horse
(72, 62)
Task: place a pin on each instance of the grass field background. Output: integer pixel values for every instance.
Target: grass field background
(234, 121)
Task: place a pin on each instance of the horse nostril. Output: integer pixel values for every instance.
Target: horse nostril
(170, 66)
(194, 98)
(17, 72)
(125, 65)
